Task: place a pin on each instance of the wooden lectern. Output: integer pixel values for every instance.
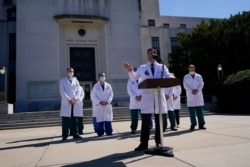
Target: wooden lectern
(154, 83)
(158, 83)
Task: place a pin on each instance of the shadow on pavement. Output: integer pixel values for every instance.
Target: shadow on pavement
(177, 133)
(113, 160)
(45, 141)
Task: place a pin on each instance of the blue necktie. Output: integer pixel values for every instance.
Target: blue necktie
(152, 69)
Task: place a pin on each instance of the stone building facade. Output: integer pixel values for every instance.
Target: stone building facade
(41, 38)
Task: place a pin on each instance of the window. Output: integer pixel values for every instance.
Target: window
(12, 68)
(139, 5)
(174, 41)
(7, 2)
(166, 25)
(11, 14)
(151, 22)
(156, 44)
(183, 26)
(12, 52)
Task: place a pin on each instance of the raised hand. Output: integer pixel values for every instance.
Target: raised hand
(128, 66)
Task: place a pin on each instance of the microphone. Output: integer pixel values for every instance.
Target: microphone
(157, 58)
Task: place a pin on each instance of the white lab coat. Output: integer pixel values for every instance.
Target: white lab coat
(177, 93)
(68, 91)
(102, 113)
(133, 91)
(170, 101)
(78, 106)
(190, 84)
(149, 100)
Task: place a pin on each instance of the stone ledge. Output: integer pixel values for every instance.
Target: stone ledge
(6, 108)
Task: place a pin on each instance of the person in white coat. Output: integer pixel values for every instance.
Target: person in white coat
(79, 106)
(193, 84)
(134, 102)
(95, 124)
(170, 107)
(149, 97)
(70, 109)
(101, 97)
(177, 103)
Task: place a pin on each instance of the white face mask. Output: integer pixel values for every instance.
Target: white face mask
(70, 74)
(192, 73)
(102, 78)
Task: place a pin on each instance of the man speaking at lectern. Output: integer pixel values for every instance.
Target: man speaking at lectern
(149, 97)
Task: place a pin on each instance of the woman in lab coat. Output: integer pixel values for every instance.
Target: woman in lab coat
(193, 84)
(101, 97)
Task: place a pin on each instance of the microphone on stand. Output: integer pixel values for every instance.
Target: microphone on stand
(157, 58)
(160, 61)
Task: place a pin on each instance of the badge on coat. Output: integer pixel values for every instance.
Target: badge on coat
(146, 72)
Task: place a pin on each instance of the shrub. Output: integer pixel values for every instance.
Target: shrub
(234, 93)
(239, 77)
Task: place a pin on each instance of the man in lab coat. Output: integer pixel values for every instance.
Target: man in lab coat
(193, 84)
(134, 102)
(70, 99)
(79, 107)
(149, 97)
(170, 107)
(177, 103)
(101, 97)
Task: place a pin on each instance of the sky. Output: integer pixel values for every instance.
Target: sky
(203, 8)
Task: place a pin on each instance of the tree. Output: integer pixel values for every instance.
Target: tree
(224, 41)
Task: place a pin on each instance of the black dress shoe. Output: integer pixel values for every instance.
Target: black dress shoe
(77, 137)
(202, 128)
(192, 128)
(64, 138)
(141, 147)
(133, 132)
(174, 129)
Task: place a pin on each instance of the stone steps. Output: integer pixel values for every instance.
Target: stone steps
(52, 118)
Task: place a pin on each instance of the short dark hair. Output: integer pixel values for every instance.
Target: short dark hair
(100, 74)
(152, 49)
(69, 68)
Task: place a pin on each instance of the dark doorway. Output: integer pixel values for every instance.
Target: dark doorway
(83, 62)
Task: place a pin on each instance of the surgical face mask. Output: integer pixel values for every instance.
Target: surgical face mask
(192, 73)
(102, 78)
(70, 74)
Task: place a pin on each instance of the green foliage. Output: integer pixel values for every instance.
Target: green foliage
(233, 94)
(219, 41)
(239, 77)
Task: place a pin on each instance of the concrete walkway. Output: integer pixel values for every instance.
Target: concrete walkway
(225, 143)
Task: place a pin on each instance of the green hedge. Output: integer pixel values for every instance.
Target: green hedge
(234, 93)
